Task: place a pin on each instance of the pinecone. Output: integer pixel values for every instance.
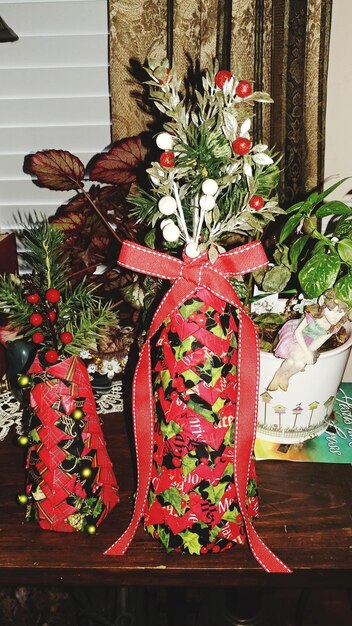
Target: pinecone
(76, 521)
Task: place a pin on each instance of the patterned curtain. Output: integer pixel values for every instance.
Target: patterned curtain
(282, 45)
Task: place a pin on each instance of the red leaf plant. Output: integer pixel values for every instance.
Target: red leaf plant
(95, 220)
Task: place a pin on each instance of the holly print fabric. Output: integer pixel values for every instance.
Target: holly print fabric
(70, 481)
(192, 502)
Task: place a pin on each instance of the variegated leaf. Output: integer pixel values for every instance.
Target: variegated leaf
(55, 169)
(262, 159)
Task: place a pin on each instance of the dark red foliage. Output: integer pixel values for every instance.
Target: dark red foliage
(55, 169)
(120, 164)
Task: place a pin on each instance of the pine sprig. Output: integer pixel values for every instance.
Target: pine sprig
(12, 302)
(88, 327)
(43, 245)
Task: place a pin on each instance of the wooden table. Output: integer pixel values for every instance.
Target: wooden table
(305, 518)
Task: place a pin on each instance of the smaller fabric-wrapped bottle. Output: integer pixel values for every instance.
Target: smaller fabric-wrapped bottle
(70, 482)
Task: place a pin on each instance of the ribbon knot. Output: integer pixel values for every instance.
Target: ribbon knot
(191, 270)
(186, 276)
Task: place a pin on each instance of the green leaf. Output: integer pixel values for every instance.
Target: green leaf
(343, 288)
(267, 319)
(174, 497)
(343, 228)
(214, 533)
(335, 207)
(191, 542)
(231, 516)
(290, 226)
(344, 248)
(215, 493)
(319, 274)
(276, 278)
(189, 463)
(164, 537)
(170, 429)
(149, 238)
(296, 250)
(98, 508)
(294, 207)
(325, 193)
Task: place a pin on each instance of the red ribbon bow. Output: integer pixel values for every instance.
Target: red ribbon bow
(186, 277)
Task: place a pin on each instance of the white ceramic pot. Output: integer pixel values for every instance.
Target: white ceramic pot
(303, 411)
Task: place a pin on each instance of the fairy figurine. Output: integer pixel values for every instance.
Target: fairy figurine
(300, 339)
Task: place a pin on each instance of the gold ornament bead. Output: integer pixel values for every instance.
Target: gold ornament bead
(22, 440)
(23, 381)
(86, 472)
(22, 498)
(91, 529)
(77, 414)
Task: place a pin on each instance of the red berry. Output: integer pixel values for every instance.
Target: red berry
(225, 358)
(156, 534)
(167, 159)
(256, 203)
(38, 338)
(216, 548)
(203, 550)
(173, 395)
(176, 462)
(241, 145)
(243, 89)
(51, 356)
(36, 319)
(53, 295)
(32, 298)
(66, 337)
(221, 77)
(165, 78)
(51, 316)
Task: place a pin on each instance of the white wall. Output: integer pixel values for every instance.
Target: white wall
(338, 155)
(338, 149)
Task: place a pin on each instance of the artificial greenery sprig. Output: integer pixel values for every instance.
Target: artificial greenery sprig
(43, 307)
(211, 181)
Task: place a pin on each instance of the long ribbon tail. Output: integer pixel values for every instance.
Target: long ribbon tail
(143, 424)
(247, 398)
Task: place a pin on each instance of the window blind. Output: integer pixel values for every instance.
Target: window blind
(54, 93)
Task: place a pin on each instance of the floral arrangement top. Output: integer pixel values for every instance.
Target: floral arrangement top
(211, 180)
(44, 308)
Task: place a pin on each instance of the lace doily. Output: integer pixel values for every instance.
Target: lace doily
(11, 412)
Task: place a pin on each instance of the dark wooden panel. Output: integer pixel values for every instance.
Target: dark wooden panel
(304, 517)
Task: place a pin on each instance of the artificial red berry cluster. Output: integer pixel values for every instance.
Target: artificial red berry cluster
(44, 317)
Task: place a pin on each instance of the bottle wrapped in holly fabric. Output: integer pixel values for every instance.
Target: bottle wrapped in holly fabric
(196, 382)
(70, 483)
(192, 502)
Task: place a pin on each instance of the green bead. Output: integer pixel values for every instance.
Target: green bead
(91, 529)
(22, 440)
(77, 414)
(23, 381)
(22, 498)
